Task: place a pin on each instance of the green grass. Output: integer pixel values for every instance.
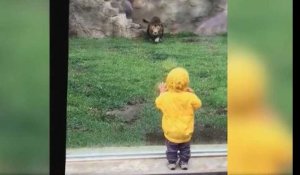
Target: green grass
(267, 31)
(108, 73)
(24, 89)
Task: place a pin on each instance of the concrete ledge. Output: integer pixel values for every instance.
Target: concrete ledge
(208, 159)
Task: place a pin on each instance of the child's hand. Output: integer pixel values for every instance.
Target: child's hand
(162, 87)
(189, 90)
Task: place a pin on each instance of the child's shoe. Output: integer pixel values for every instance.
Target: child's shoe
(172, 166)
(183, 165)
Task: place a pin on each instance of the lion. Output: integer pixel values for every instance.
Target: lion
(155, 30)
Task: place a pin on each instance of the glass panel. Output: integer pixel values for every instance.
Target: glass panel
(115, 67)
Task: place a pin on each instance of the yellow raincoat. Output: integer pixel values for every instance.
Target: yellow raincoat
(178, 106)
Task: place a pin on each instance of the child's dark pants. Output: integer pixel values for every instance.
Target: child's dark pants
(173, 149)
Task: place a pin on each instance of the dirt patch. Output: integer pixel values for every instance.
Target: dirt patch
(204, 135)
(159, 56)
(204, 41)
(222, 111)
(191, 40)
(129, 113)
(210, 135)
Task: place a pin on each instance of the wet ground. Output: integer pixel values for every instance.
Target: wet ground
(201, 136)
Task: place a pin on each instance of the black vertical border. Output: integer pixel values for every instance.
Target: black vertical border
(59, 22)
(294, 67)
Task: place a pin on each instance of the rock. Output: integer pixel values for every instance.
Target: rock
(121, 26)
(109, 11)
(187, 18)
(101, 18)
(200, 9)
(219, 5)
(127, 8)
(137, 4)
(214, 25)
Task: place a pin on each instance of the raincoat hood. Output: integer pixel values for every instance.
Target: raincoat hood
(177, 79)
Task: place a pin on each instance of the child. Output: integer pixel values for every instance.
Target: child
(177, 102)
